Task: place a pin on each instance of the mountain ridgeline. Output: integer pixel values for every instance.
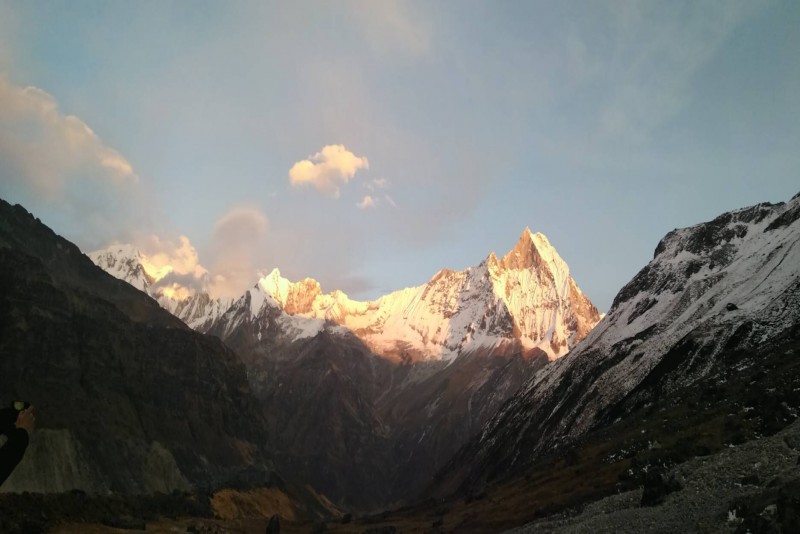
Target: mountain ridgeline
(524, 303)
(367, 399)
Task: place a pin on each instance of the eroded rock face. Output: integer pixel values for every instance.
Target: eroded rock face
(128, 398)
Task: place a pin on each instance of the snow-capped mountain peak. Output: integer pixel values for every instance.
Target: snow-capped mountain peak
(294, 298)
(125, 262)
(718, 304)
(533, 250)
(525, 303)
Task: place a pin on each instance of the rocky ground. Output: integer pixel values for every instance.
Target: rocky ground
(753, 487)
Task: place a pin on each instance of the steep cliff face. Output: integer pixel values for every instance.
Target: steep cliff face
(129, 399)
(716, 299)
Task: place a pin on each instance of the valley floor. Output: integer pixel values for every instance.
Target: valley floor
(752, 487)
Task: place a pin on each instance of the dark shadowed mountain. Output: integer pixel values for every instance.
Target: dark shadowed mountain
(129, 399)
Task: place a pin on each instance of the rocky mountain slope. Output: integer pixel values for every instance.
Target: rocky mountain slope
(129, 399)
(718, 299)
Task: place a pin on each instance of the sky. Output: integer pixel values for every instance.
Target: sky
(369, 144)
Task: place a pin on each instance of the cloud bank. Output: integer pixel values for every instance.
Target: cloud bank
(328, 169)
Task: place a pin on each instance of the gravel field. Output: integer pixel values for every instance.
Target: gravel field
(753, 487)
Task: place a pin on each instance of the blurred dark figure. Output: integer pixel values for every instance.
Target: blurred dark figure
(16, 423)
(274, 526)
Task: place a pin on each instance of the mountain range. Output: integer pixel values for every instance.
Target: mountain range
(482, 400)
(402, 380)
(526, 302)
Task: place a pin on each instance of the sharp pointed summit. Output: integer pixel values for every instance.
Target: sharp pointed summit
(534, 251)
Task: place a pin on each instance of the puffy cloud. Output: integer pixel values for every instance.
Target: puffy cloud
(328, 169)
(46, 147)
(176, 291)
(370, 201)
(165, 257)
(242, 224)
(238, 248)
(366, 202)
(175, 266)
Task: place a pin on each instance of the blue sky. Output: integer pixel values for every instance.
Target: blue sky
(601, 124)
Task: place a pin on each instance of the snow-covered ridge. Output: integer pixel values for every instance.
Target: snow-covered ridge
(705, 281)
(742, 259)
(524, 302)
(126, 263)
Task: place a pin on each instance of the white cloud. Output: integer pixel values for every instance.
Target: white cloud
(366, 202)
(239, 249)
(370, 201)
(165, 257)
(175, 266)
(328, 169)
